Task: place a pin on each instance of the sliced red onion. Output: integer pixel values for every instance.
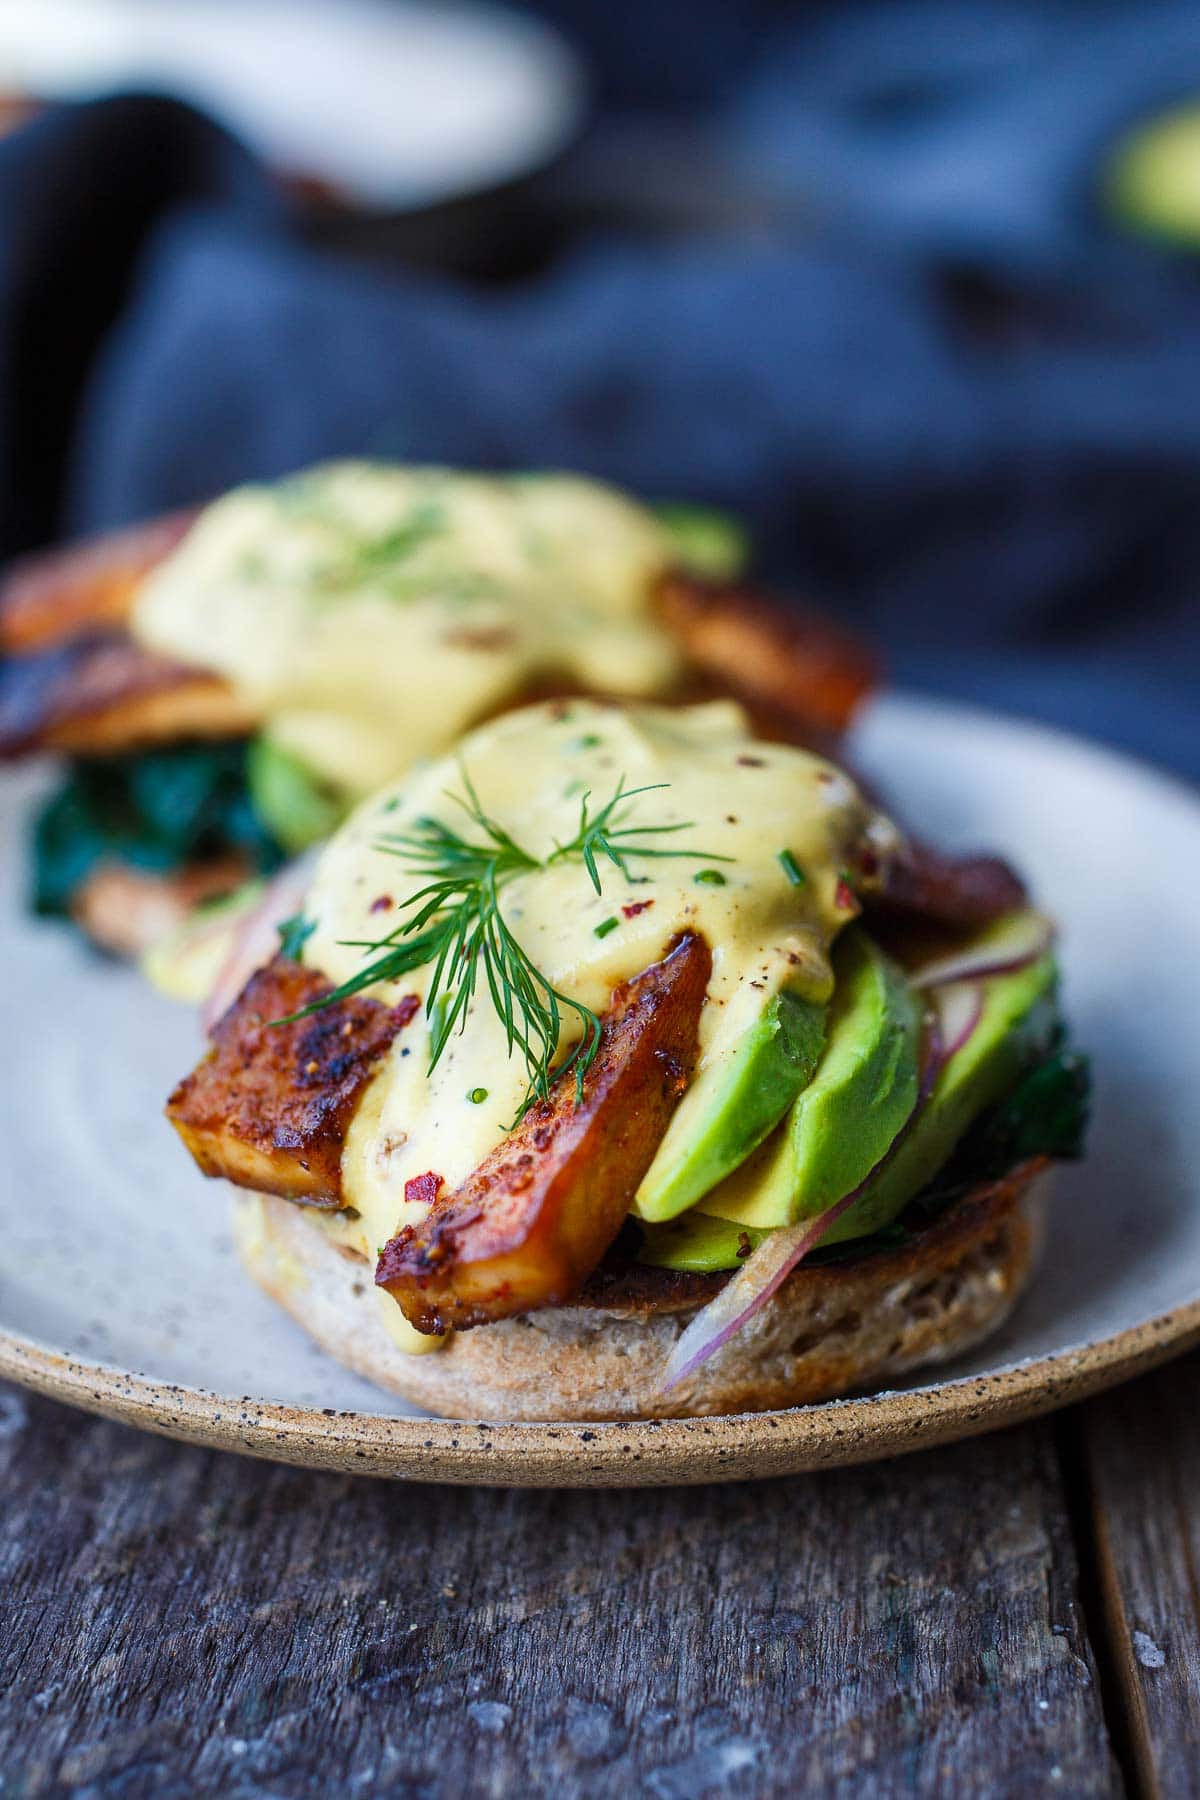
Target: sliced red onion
(958, 1007)
(767, 1268)
(1010, 945)
(256, 937)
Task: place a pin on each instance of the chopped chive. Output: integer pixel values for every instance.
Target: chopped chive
(589, 741)
(710, 877)
(791, 868)
(477, 1096)
(605, 926)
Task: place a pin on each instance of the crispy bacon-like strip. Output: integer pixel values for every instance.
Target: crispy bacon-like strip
(527, 1227)
(126, 910)
(77, 682)
(56, 595)
(923, 884)
(789, 666)
(270, 1105)
(107, 695)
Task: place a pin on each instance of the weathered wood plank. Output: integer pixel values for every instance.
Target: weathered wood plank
(181, 1622)
(1142, 1452)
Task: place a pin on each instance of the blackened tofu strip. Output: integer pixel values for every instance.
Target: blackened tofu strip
(529, 1225)
(105, 695)
(789, 667)
(926, 885)
(74, 680)
(270, 1105)
(58, 595)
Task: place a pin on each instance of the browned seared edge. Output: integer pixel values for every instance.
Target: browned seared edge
(788, 665)
(269, 1106)
(621, 1284)
(530, 1223)
(74, 680)
(85, 588)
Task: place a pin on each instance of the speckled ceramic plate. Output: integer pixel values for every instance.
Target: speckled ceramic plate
(119, 1290)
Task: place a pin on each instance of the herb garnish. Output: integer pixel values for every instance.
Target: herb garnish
(791, 868)
(457, 926)
(358, 556)
(294, 933)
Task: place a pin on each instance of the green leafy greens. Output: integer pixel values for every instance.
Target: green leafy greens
(158, 810)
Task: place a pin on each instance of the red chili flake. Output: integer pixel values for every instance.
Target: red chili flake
(751, 762)
(424, 1188)
(406, 1010)
(635, 907)
(382, 903)
(845, 898)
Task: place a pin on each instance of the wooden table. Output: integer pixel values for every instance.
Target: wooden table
(1018, 1615)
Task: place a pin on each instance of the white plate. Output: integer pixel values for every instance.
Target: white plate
(393, 103)
(118, 1284)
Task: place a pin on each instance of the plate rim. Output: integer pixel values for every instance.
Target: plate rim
(637, 1452)
(685, 1452)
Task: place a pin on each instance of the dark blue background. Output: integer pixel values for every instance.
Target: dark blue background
(955, 403)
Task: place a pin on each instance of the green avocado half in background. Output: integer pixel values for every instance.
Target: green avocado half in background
(1151, 182)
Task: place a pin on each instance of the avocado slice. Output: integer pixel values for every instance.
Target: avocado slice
(294, 804)
(863, 1092)
(733, 1104)
(1016, 1027)
(698, 1244)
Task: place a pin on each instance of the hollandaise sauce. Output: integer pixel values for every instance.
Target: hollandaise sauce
(370, 613)
(752, 846)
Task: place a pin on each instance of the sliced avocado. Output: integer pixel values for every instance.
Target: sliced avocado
(732, 1105)
(863, 1091)
(698, 1244)
(1016, 1026)
(708, 543)
(294, 804)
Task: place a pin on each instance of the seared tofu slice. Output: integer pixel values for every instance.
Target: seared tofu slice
(270, 1105)
(104, 695)
(61, 594)
(529, 1225)
(126, 911)
(796, 673)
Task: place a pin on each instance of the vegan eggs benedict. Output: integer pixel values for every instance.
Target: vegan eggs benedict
(229, 684)
(636, 1065)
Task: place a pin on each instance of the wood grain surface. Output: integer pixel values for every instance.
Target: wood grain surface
(1142, 1455)
(184, 1622)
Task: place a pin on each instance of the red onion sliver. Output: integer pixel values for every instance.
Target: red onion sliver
(958, 1007)
(1008, 946)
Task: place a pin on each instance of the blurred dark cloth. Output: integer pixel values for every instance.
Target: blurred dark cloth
(953, 404)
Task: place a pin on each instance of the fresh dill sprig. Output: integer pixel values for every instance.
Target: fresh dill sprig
(456, 924)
